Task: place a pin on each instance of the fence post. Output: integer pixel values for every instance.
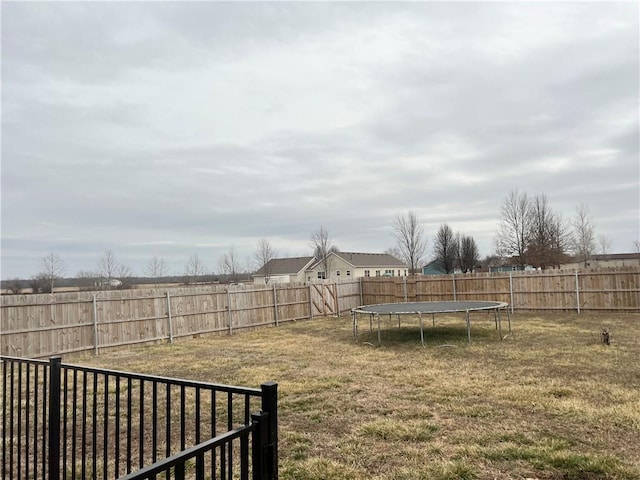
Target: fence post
(229, 315)
(53, 423)
(259, 445)
(454, 287)
(577, 293)
(95, 325)
(169, 314)
(404, 283)
(270, 406)
(275, 303)
(511, 290)
(310, 302)
(360, 283)
(335, 290)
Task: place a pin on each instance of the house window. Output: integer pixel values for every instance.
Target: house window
(348, 273)
(337, 273)
(377, 273)
(321, 276)
(367, 273)
(388, 273)
(398, 272)
(405, 273)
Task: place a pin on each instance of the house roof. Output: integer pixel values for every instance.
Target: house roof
(361, 260)
(285, 266)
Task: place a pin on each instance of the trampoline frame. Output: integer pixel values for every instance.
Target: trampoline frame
(423, 308)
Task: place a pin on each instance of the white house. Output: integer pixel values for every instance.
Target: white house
(346, 265)
(283, 270)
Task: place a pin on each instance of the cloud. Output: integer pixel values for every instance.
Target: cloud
(176, 128)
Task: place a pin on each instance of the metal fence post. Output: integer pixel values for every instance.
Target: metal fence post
(229, 314)
(95, 325)
(454, 287)
(511, 290)
(54, 417)
(270, 406)
(259, 441)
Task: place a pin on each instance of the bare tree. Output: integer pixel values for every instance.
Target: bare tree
(411, 242)
(14, 285)
(636, 246)
(229, 264)
(468, 256)
(604, 242)
(322, 248)
(52, 269)
(194, 268)
(156, 268)
(548, 237)
(264, 254)
(445, 248)
(584, 242)
(108, 267)
(514, 228)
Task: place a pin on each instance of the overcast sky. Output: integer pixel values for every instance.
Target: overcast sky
(171, 129)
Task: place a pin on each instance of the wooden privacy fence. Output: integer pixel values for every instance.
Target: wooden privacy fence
(34, 326)
(586, 290)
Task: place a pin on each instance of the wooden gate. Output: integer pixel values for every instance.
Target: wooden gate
(324, 299)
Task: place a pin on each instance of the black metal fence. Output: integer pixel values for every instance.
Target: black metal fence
(63, 421)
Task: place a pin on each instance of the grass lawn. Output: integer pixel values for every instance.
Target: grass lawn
(549, 402)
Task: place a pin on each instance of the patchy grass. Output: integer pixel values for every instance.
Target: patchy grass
(549, 402)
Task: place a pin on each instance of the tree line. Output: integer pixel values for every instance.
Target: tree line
(530, 233)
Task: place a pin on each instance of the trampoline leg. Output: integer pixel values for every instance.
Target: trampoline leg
(398, 322)
(468, 328)
(421, 330)
(509, 319)
(497, 318)
(378, 315)
(499, 323)
(433, 319)
(370, 322)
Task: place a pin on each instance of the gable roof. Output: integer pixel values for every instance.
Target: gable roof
(357, 259)
(285, 266)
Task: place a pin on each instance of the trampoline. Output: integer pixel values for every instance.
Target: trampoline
(429, 308)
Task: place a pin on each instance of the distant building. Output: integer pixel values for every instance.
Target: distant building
(283, 270)
(609, 260)
(347, 265)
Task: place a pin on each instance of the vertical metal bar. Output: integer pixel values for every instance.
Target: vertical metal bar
(270, 406)
(378, 318)
(3, 469)
(275, 304)
(169, 315)
(11, 417)
(141, 427)
(65, 417)
(27, 423)
(247, 407)
(168, 420)
(244, 457)
(35, 426)
(19, 407)
(45, 419)
(105, 449)
(229, 411)
(95, 325)
(74, 426)
(421, 329)
(94, 423)
(360, 284)
(154, 421)
(84, 425)
(117, 428)
(468, 328)
(183, 418)
(129, 429)
(577, 293)
(499, 322)
(54, 417)
(213, 431)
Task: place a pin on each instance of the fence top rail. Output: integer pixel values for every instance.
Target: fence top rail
(166, 380)
(32, 361)
(180, 458)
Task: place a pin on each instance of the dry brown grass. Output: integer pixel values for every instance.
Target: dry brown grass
(549, 402)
